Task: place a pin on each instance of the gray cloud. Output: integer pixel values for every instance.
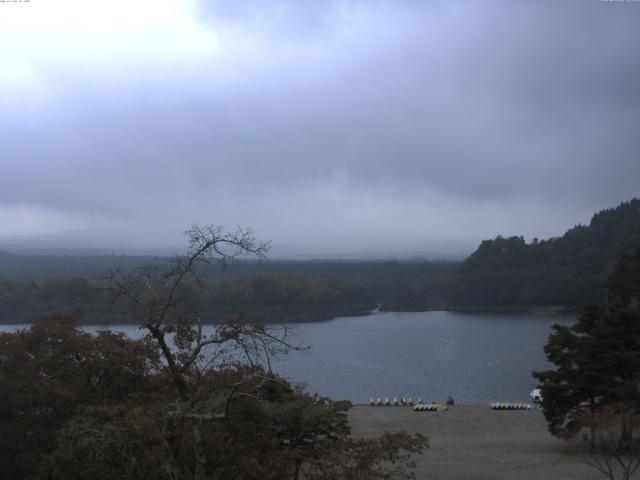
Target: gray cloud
(354, 123)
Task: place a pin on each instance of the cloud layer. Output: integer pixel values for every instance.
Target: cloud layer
(346, 126)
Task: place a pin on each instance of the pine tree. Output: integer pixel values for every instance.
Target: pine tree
(598, 358)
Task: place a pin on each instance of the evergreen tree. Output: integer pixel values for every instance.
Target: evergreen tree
(598, 358)
(624, 281)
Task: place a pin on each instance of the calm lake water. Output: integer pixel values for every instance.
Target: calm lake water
(474, 357)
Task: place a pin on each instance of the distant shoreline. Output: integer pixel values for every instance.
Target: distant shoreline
(542, 310)
(287, 318)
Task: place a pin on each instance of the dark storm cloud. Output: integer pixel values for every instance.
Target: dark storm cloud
(343, 121)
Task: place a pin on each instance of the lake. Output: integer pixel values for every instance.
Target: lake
(474, 357)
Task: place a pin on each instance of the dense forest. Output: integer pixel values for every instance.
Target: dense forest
(269, 291)
(567, 271)
(571, 270)
(263, 298)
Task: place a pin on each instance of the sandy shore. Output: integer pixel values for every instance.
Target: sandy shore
(476, 443)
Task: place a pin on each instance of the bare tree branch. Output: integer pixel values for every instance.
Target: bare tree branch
(172, 321)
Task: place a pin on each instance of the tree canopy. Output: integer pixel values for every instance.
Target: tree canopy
(598, 358)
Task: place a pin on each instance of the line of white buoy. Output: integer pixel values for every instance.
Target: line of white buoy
(504, 360)
(395, 402)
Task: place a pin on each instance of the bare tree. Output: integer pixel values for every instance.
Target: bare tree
(612, 442)
(160, 294)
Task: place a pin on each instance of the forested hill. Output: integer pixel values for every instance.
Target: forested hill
(569, 270)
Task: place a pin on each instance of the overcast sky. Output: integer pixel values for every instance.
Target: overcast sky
(329, 126)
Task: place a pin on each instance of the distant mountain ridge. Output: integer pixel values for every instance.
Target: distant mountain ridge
(569, 270)
(502, 274)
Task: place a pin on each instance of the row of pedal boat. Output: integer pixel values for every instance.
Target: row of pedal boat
(440, 407)
(512, 406)
(419, 406)
(431, 407)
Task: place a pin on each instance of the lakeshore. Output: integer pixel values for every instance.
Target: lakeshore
(476, 443)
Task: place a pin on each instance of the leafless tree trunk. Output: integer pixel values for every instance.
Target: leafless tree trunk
(612, 445)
